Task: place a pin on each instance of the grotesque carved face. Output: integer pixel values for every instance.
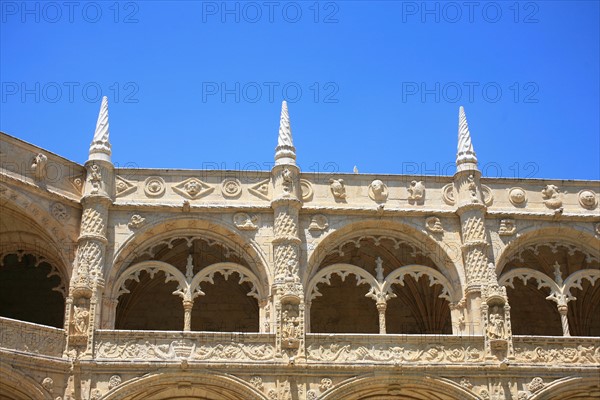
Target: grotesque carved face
(377, 186)
(517, 196)
(587, 198)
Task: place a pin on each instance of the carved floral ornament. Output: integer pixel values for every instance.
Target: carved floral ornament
(136, 222)
(231, 188)
(154, 186)
(59, 211)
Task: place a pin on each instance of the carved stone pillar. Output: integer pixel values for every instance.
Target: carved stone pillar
(187, 315)
(288, 294)
(563, 309)
(381, 307)
(87, 283)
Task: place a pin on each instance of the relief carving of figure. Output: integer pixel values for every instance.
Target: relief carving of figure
(38, 166)
(472, 188)
(496, 328)
(378, 190)
(552, 197)
(95, 177)
(81, 317)
(417, 191)
(287, 180)
(338, 189)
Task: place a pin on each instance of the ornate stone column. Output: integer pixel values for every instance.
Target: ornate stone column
(87, 282)
(288, 294)
(487, 306)
(471, 209)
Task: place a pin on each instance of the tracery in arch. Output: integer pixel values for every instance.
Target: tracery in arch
(201, 283)
(552, 289)
(382, 284)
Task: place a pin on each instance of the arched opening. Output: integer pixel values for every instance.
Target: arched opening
(418, 309)
(150, 305)
(188, 283)
(584, 311)
(549, 278)
(226, 306)
(530, 312)
(343, 308)
(30, 290)
(416, 302)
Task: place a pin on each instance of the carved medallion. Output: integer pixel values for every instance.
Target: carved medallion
(245, 222)
(48, 384)
(338, 189)
(193, 188)
(307, 190)
(588, 199)
(114, 381)
(378, 191)
(488, 196)
(517, 196)
(77, 181)
(231, 188)
(536, 384)
(448, 194)
(154, 186)
(59, 212)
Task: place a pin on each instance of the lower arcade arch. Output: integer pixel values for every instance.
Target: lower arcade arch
(570, 389)
(16, 386)
(398, 387)
(188, 386)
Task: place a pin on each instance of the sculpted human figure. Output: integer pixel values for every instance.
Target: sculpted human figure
(80, 316)
(496, 325)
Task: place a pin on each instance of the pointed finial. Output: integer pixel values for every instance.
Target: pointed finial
(100, 147)
(465, 154)
(285, 152)
(355, 169)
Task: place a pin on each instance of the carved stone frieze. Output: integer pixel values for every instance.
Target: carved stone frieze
(557, 352)
(31, 338)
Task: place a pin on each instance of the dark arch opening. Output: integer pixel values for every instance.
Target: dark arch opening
(530, 312)
(343, 308)
(26, 291)
(150, 305)
(583, 313)
(225, 306)
(418, 309)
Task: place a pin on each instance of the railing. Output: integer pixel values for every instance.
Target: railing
(557, 350)
(193, 346)
(31, 338)
(393, 349)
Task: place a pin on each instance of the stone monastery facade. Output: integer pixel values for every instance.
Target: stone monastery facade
(130, 284)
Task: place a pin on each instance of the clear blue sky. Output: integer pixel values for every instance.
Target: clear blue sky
(199, 84)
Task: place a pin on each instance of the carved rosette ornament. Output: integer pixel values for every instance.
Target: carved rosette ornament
(231, 188)
(60, 212)
(154, 186)
(114, 381)
(448, 194)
